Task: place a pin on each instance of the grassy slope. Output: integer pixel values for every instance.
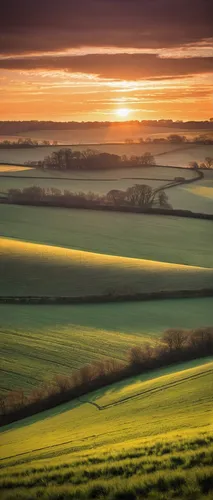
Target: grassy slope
(197, 197)
(166, 239)
(75, 186)
(38, 342)
(35, 154)
(152, 444)
(174, 155)
(97, 181)
(33, 269)
(161, 173)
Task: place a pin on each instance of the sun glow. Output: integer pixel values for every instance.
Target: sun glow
(122, 112)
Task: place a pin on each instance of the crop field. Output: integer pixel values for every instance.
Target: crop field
(137, 439)
(165, 154)
(43, 270)
(38, 342)
(99, 186)
(197, 197)
(11, 169)
(164, 239)
(98, 182)
(119, 174)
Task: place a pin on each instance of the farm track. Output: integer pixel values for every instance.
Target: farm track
(148, 392)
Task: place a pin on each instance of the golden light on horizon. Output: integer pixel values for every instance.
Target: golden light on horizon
(123, 112)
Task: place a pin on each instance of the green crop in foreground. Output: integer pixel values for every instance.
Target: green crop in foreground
(157, 444)
(38, 342)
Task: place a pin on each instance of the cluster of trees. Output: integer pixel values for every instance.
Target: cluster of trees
(15, 127)
(173, 139)
(176, 345)
(26, 143)
(90, 159)
(139, 195)
(206, 164)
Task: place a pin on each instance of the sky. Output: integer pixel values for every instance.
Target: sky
(106, 60)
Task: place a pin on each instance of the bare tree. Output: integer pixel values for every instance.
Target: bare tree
(140, 195)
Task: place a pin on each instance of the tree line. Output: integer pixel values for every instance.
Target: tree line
(206, 164)
(175, 346)
(173, 139)
(26, 143)
(139, 195)
(90, 159)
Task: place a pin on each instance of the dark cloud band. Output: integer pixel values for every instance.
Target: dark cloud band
(42, 25)
(120, 66)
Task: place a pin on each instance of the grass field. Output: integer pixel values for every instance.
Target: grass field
(99, 182)
(149, 437)
(146, 442)
(197, 197)
(99, 186)
(43, 270)
(119, 174)
(165, 154)
(165, 239)
(38, 342)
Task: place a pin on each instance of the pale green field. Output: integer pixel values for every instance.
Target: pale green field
(38, 153)
(38, 342)
(44, 270)
(161, 173)
(98, 182)
(155, 444)
(165, 154)
(197, 197)
(75, 186)
(165, 239)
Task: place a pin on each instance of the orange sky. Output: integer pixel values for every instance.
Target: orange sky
(53, 68)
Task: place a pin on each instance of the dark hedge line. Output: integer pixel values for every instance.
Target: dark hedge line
(89, 205)
(109, 297)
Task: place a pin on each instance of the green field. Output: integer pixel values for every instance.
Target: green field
(44, 270)
(38, 342)
(99, 182)
(165, 154)
(80, 252)
(197, 197)
(164, 239)
(100, 186)
(144, 441)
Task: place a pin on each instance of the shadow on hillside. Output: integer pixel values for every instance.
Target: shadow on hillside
(38, 417)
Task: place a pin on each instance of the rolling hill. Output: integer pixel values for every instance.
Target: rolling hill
(39, 342)
(166, 239)
(135, 439)
(42, 270)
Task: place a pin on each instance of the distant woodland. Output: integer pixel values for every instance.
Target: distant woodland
(17, 127)
(170, 139)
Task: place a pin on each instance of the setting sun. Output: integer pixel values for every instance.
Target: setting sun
(123, 112)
